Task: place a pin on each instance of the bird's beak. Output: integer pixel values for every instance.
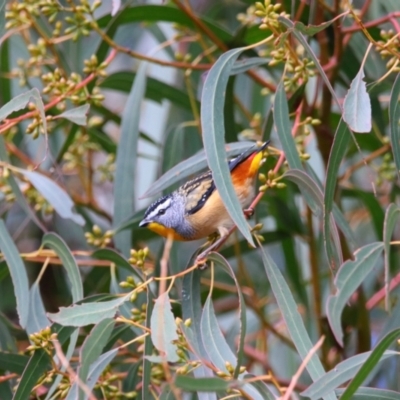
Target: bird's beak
(143, 223)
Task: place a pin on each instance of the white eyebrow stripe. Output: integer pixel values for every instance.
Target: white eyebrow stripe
(164, 204)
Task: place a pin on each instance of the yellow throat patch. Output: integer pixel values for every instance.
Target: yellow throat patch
(164, 231)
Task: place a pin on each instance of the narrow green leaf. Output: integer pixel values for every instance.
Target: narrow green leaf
(126, 159)
(156, 90)
(214, 342)
(90, 351)
(311, 30)
(190, 384)
(394, 117)
(148, 349)
(98, 367)
(16, 189)
(289, 24)
(163, 328)
(36, 366)
(284, 128)
(189, 167)
(216, 257)
(349, 277)
(292, 318)
(64, 333)
(57, 197)
(216, 346)
(268, 392)
(191, 310)
(244, 65)
(315, 200)
(156, 14)
(212, 121)
(88, 313)
(342, 372)
(357, 105)
(115, 257)
(340, 142)
(18, 273)
(369, 364)
(2, 18)
(55, 242)
(11, 362)
(19, 102)
(368, 393)
(76, 115)
(391, 217)
(37, 319)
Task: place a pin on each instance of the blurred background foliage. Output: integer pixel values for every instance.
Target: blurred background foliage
(100, 99)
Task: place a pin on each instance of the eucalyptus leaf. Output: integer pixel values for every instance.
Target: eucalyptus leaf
(357, 105)
(292, 318)
(18, 274)
(212, 121)
(394, 118)
(57, 197)
(126, 159)
(391, 218)
(76, 115)
(349, 277)
(342, 372)
(88, 313)
(163, 329)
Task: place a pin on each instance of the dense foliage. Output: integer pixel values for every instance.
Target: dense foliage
(104, 103)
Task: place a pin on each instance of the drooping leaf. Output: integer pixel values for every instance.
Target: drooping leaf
(191, 384)
(37, 365)
(212, 121)
(98, 367)
(368, 393)
(340, 142)
(56, 243)
(156, 89)
(357, 105)
(22, 201)
(13, 362)
(369, 364)
(126, 159)
(342, 372)
(18, 273)
(90, 351)
(148, 348)
(289, 24)
(315, 200)
(394, 117)
(217, 258)
(2, 17)
(57, 197)
(37, 319)
(349, 277)
(163, 328)
(391, 218)
(216, 346)
(311, 30)
(76, 115)
(244, 65)
(88, 313)
(292, 318)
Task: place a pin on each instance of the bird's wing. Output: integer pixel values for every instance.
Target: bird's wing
(197, 191)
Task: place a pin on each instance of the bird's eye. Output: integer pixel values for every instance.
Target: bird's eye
(162, 211)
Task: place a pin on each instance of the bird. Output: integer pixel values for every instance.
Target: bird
(195, 210)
